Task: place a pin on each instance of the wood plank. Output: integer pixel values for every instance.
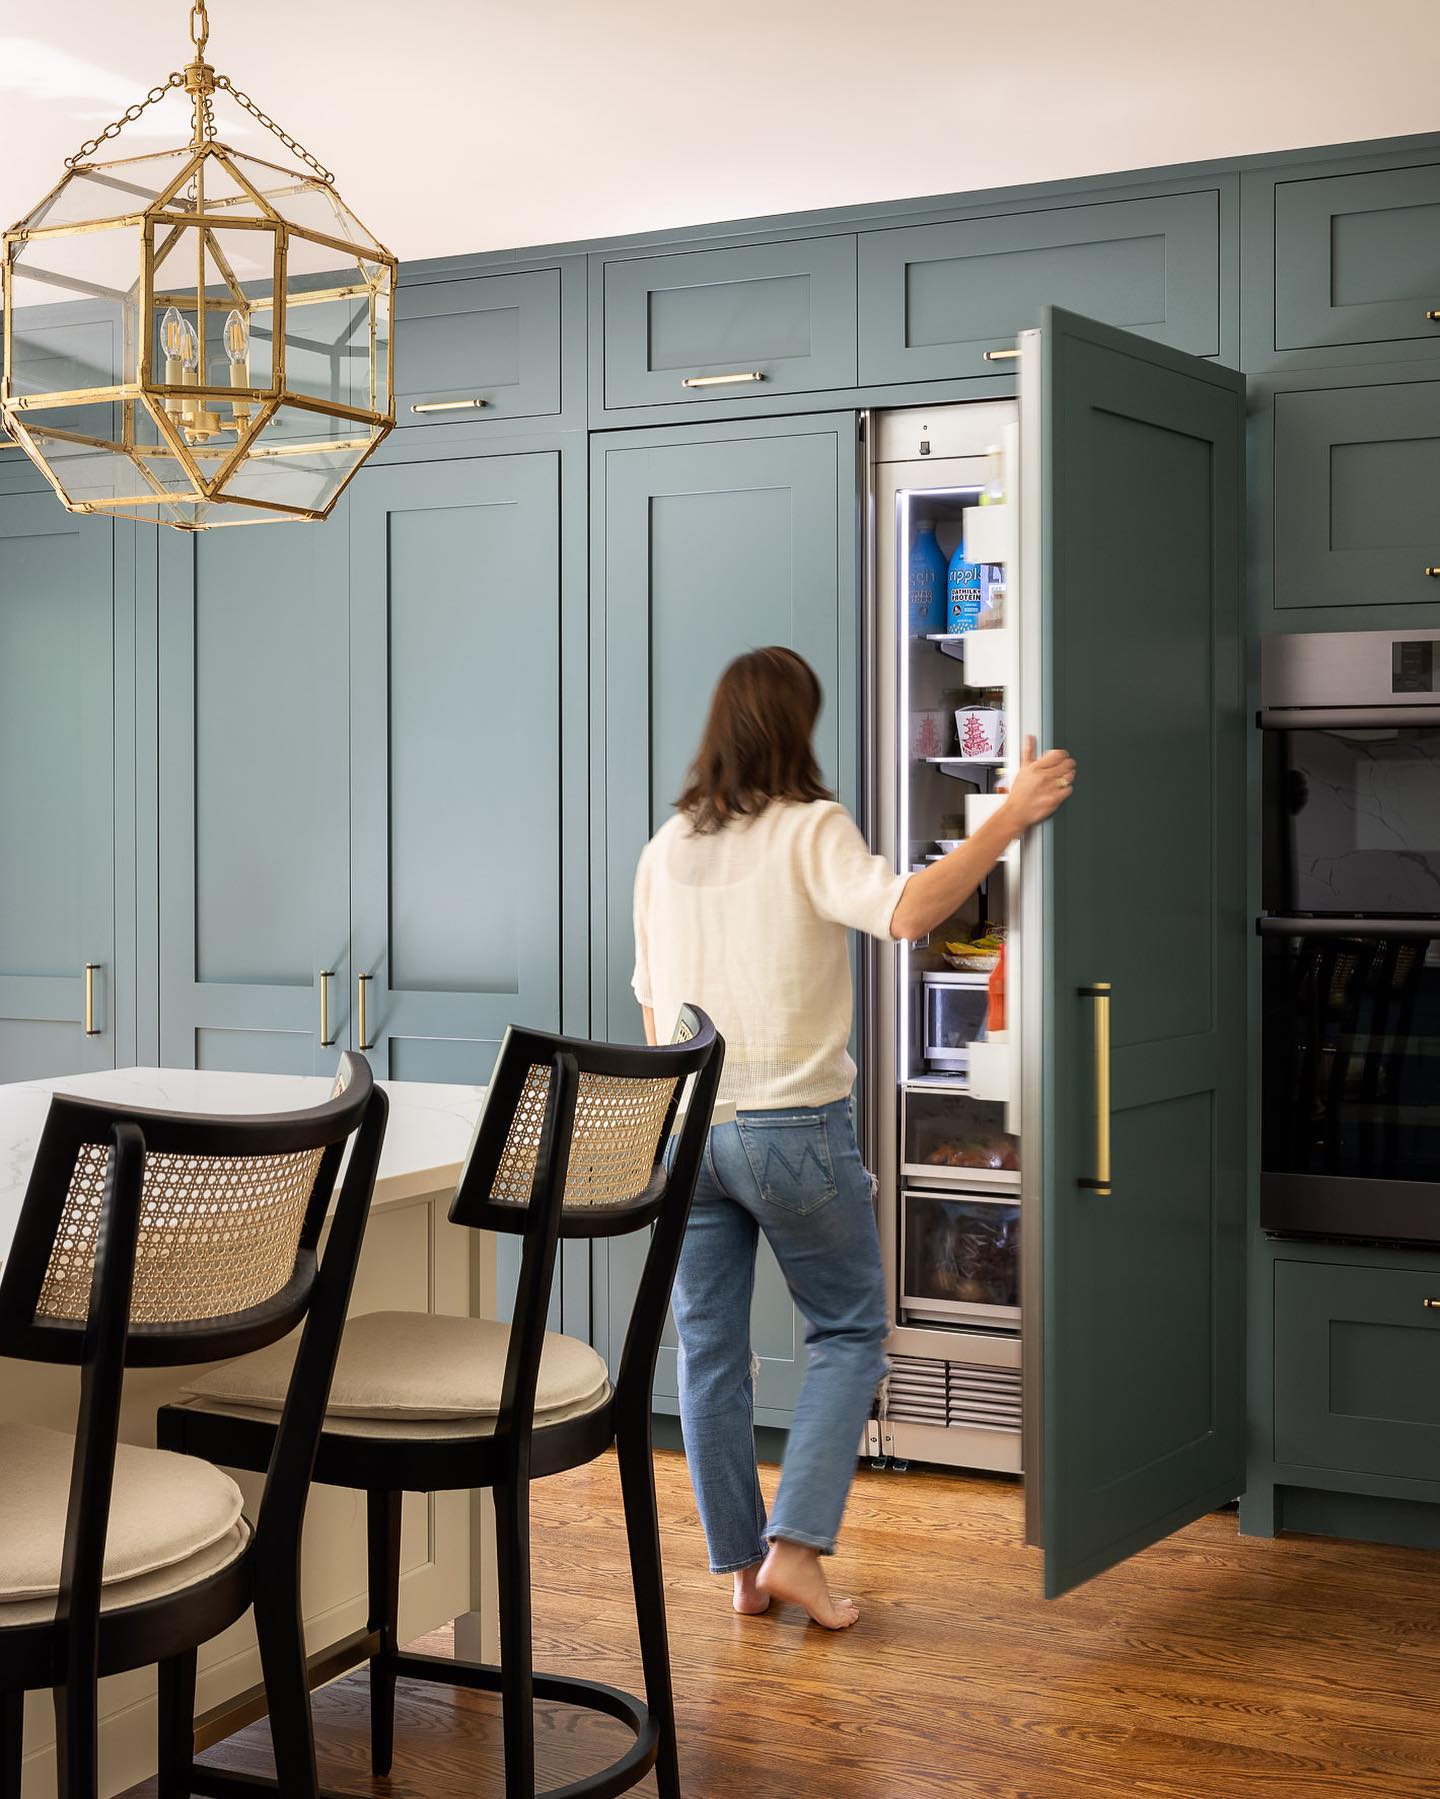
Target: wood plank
(1215, 1665)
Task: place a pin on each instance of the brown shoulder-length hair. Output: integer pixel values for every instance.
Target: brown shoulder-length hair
(756, 745)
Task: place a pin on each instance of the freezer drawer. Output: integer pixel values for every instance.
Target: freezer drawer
(960, 1258)
(951, 1140)
(729, 324)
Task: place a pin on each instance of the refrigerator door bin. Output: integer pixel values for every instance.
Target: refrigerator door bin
(960, 1258)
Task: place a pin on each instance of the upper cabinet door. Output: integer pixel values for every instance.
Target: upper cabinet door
(708, 542)
(455, 760)
(935, 298)
(254, 807)
(1357, 259)
(1132, 657)
(487, 347)
(57, 789)
(725, 324)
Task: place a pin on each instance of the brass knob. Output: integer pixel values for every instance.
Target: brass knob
(1434, 313)
(1433, 572)
(1431, 1305)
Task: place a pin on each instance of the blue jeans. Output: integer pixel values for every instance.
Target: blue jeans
(797, 1176)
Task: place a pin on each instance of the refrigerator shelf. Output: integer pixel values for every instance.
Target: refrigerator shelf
(956, 765)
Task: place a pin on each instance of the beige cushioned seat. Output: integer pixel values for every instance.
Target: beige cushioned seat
(408, 1373)
(173, 1519)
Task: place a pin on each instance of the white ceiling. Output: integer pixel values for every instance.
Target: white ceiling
(483, 124)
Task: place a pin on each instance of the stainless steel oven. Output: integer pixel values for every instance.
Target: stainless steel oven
(1350, 1142)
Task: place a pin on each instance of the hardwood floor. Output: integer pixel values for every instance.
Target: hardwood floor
(1211, 1667)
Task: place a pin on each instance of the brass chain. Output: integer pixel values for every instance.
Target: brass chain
(298, 149)
(173, 80)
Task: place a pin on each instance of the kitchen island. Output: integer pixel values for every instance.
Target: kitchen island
(414, 1259)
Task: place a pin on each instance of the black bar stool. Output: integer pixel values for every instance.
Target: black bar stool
(572, 1143)
(155, 1239)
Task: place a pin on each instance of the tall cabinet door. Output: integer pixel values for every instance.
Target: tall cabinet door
(710, 541)
(455, 759)
(254, 801)
(1133, 918)
(57, 789)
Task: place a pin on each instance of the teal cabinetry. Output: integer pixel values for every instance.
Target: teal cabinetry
(1357, 259)
(254, 828)
(62, 626)
(455, 758)
(779, 317)
(1357, 1369)
(1345, 475)
(708, 541)
(478, 349)
(362, 776)
(934, 298)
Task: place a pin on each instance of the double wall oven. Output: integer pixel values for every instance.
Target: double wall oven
(1351, 936)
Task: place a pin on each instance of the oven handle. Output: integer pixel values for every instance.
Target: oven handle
(1336, 718)
(1271, 926)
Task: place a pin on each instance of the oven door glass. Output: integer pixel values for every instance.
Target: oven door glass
(1352, 821)
(1351, 1072)
(961, 1259)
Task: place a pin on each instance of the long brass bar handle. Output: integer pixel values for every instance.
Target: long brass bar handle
(734, 380)
(447, 405)
(91, 1028)
(326, 976)
(1100, 993)
(361, 1028)
(1001, 355)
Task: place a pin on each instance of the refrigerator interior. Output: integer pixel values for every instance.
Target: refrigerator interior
(945, 1127)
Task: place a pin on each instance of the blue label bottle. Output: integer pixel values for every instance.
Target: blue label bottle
(964, 593)
(927, 583)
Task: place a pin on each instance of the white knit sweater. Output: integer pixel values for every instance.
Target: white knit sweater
(749, 922)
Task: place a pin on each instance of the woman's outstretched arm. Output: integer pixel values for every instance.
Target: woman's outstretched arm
(1041, 786)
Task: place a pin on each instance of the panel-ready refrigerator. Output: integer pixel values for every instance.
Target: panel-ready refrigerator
(1062, 1164)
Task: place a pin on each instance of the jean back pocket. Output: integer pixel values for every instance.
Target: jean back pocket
(789, 1157)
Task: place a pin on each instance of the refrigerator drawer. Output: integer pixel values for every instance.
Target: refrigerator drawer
(960, 1258)
(951, 1140)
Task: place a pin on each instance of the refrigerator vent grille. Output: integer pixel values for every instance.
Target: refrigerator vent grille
(923, 1391)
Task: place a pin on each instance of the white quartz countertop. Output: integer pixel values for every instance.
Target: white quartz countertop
(426, 1139)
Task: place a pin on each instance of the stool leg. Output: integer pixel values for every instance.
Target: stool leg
(382, 1512)
(12, 1739)
(287, 1682)
(77, 1740)
(517, 1667)
(176, 1756)
(642, 1528)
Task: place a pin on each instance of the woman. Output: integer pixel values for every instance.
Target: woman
(742, 903)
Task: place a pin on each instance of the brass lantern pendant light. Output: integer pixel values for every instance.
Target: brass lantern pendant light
(197, 337)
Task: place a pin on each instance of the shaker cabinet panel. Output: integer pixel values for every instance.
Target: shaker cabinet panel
(253, 810)
(455, 759)
(1357, 259)
(1356, 495)
(934, 298)
(708, 324)
(57, 789)
(487, 347)
(1357, 1369)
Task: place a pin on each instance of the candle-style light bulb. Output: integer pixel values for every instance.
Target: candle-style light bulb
(190, 363)
(236, 338)
(172, 342)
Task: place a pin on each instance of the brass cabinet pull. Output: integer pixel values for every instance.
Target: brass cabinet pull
(1000, 355)
(1434, 572)
(91, 970)
(1100, 993)
(326, 976)
(361, 1028)
(1431, 1305)
(447, 405)
(722, 380)
(1434, 313)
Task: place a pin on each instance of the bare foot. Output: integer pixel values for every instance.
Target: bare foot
(792, 1571)
(749, 1601)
